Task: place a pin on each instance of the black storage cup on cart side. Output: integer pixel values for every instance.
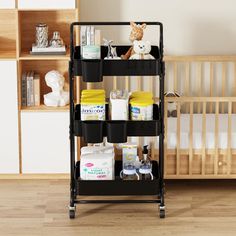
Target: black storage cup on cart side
(92, 131)
(117, 131)
(91, 70)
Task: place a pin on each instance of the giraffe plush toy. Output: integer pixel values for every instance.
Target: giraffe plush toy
(135, 34)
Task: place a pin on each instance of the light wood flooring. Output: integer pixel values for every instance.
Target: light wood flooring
(39, 207)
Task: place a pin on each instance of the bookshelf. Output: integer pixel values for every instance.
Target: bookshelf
(17, 33)
(41, 67)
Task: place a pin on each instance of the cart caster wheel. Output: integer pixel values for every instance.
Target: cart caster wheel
(162, 214)
(72, 214)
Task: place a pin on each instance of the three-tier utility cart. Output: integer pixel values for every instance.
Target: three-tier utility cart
(116, 131)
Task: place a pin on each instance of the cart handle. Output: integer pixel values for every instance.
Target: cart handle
(161, 46)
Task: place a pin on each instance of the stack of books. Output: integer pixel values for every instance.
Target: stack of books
(30, 89)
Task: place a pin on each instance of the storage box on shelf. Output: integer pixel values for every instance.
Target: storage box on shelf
(41, 67)
(57, 20)
(8, 29)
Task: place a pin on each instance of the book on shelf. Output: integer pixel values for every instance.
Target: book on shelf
(30, 88)
(24, 89)
(36, 90)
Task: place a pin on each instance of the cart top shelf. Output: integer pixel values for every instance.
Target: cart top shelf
(117, 67)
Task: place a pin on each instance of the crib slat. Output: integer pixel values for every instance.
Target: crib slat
(187, 78)
(151, 86)
(175, 77)
(166, 78)
(191, 139)
(229, 152)
(178, 141)
(199, 80)
(187, 82)
(127, 83)
(223, 85)
(211, 84)
(139, 78)
(216, 138)
(203, 138)
(90, 85)
(114, 82)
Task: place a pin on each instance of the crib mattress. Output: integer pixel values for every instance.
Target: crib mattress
(197, 131)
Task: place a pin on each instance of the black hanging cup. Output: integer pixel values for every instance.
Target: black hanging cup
(117, 131)
(91, 70)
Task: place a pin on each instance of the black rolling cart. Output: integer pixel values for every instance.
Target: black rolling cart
(116, 131)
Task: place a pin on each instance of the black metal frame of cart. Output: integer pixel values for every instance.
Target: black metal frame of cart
(116, 131)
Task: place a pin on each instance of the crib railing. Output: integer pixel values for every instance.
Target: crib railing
(202, 76)
(222, 158)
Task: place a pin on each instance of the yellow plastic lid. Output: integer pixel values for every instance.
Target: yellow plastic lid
(141, 94)
(93, 91)
(93, 102)
(141, 102)
(93, 97)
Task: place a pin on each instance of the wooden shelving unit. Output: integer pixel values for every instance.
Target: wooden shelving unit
(17, 34)
(57, 20)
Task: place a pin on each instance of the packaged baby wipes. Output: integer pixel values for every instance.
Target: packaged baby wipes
(97, 166)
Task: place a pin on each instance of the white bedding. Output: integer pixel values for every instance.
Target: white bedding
(197, 132)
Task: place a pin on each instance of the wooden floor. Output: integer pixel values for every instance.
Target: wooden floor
(39, 207)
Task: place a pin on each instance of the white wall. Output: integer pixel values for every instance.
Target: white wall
(191, 27)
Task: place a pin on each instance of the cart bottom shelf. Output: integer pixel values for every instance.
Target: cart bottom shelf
(118, 186)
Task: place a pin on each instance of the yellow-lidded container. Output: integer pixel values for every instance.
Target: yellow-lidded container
(141, 109)
(93, 105)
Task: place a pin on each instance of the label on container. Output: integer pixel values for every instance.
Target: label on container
(96, 173)
(129, 154)
(91, 52)
(142, 112)
(92, 112)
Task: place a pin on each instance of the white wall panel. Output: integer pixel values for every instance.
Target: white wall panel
(7, 4)
(45, 142)
(9, 145)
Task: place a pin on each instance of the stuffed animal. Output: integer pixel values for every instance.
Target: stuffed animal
(135, 34)
(142, 50)
(171, 106)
